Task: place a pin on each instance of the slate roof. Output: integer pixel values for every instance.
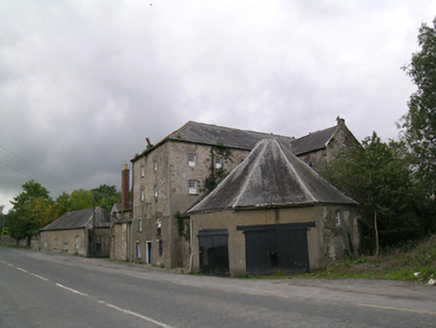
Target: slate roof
(214, 135)
(80, 219)
(271, 176)
(208, 134)
(313, 141)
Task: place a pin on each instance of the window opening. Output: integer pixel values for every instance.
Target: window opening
(192, 159)
(138, 250)
(338, 218)
(218, 162)
(192, 187)
(160, 247)
(158, 228)
(155, 191)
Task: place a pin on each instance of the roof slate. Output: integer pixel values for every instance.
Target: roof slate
(271, 176)
(208, 134)
(313, 141)
(217, 135)
(80, 219)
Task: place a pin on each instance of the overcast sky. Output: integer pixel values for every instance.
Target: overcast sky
(83, 83)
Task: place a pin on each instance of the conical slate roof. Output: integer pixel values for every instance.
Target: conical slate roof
(271, 176)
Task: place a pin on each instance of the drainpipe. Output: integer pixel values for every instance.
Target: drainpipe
(191, 248)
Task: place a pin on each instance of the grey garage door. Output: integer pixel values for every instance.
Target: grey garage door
(214, 251)
(272, 247)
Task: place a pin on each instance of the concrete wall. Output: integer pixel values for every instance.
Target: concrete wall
(326, 240)
(64, 241)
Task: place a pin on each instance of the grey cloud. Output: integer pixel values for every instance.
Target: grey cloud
(83, 83)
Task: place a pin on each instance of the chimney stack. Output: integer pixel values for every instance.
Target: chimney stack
(340, 120)
(149, 144)
(125, 178)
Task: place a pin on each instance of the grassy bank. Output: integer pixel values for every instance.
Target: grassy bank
(394, 264)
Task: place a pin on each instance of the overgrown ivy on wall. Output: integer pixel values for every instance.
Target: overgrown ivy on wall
(183, 226)
(217, 175)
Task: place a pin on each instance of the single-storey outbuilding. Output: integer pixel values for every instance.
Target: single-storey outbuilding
(84, 232)
(272, 212)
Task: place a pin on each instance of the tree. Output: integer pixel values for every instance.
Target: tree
(105, 196)
(81, 199)
(379, 177)
(63, 204)
(3, 228)
(419, 124)
(32, 210)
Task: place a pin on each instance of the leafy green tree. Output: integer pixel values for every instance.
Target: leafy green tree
(3, 228)
(419, 124)
(81, 199)
(379, 177)
(63, 203)
(105, 196)
(30, 212)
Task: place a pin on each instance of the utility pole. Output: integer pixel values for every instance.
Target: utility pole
(92, 232)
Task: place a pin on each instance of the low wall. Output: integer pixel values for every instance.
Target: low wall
(9, 241)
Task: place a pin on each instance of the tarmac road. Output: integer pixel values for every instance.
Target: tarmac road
(53, 290)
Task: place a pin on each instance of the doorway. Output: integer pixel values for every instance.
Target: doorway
(149, 252)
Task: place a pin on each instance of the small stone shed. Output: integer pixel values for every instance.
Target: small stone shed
(84, 232)
(272, 212)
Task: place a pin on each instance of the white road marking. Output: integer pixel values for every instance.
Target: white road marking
(143, 317)
(397, 309)
(71, 290)
(37, 276)
(140, 316)
(12, 266)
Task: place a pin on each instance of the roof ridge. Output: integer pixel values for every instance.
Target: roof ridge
(291, 168)
(234, 129)
(250, 173)
(318, 131)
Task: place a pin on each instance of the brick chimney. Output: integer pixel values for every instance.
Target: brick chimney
(125, 178)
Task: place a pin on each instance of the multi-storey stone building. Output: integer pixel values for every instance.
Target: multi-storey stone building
(170, 176)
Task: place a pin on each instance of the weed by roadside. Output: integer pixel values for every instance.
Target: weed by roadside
(410, 263)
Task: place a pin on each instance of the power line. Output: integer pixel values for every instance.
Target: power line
(25, 167)
(15, 169)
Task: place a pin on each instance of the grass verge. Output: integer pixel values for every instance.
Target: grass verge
(411, 262)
